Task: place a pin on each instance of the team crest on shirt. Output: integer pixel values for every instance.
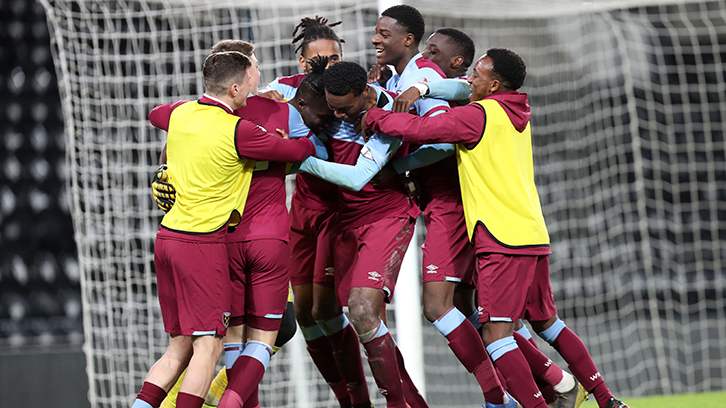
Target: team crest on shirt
(423, 81)
(374, 276)
(226, 316)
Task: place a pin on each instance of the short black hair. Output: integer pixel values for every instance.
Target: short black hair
(345, 77)
(313, 29)
(508, 66)
(464, 44)
(221, 69)
(409, 18)
(313, 84)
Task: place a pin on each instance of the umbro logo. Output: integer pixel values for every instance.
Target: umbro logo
(432, 268)
(374, 276)
(330, 271)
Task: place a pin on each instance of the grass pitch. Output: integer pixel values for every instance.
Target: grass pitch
(705, 400)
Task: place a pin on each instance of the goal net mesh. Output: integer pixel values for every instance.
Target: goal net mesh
(627, 99)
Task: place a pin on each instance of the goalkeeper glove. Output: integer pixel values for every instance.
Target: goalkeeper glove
(163, 191)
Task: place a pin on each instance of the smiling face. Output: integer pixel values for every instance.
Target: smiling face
(482, 81)
(441, 52)
(324, 48)
(391, 41)
(347, 107)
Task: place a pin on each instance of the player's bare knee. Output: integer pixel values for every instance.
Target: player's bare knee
(542, 325)
(434, 308)
(493, 331)
(363, 316)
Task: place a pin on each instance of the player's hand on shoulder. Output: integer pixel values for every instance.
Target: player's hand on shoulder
(272, 94)
(379, 73)
(283, 134)
(163, 191)
(405, 100)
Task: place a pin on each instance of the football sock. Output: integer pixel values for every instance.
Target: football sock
(150, 396)
(253, 401)
(219, 384)
(467, 346)
(413, 398)
(544, 371)
(346, 352)
(321, 352)
(514, 368)
(185, 400)
(571, 348)
(232, 352)
(170, 399)
(381, 352)
(246, 374)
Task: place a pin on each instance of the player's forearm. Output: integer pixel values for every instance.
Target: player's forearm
(345, 175)
(449, 89)
(274, 148)
(459, 125)
(423, 156)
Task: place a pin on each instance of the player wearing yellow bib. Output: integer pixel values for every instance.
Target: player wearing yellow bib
(504, 219)
(211, 152)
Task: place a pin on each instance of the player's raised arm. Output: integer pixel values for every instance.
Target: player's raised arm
(159, 116)
(460, 125)
(374, 155)
(255, 142)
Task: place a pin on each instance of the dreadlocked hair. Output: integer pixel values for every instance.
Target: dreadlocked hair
(313, 81)
(312, 29)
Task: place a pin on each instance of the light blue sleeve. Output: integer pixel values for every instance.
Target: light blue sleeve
(450, 90)
(297, 127)
(423, 156)
(321, 152)
(373, 156)
(425, 105)
(286, 90)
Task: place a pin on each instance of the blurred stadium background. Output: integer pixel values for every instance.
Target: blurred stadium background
(628, 100)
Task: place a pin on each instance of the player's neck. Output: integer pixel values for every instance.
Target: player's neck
(226, 100)
(405, 59)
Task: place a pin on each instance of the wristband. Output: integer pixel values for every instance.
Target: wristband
(423, 89)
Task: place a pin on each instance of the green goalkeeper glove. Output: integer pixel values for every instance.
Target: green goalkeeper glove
(164, 192)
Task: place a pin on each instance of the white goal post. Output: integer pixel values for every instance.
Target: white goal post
(628, 101)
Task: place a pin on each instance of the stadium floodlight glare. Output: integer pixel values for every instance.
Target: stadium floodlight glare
(628, 101)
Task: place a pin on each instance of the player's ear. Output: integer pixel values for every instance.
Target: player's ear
(457, 61)
(303, 63)
(301, 103)
(495, 86)
(233, 90)
(409, 40)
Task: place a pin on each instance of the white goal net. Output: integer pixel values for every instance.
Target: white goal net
(628, 102)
